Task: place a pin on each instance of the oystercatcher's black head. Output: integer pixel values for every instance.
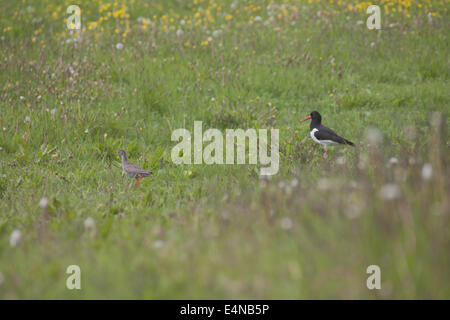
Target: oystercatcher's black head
(315, 117)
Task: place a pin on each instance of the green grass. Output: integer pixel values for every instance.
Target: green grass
(217, 231)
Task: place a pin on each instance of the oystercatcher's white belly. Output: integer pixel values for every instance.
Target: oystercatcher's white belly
(325, 143)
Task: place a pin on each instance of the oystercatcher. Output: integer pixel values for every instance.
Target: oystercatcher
(132, 170)
(323, 135)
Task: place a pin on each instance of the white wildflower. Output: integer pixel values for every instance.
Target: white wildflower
(390, 191)
(393, 161)
(427, 171)
(15, 238)
(27, 119)
(286, 223)
(43, 203)
(373, 136)
(216, 33)
(363, 159)
(144, 20)
(179, 32)
(89, 226)
(158, 244)
(294, 183)
(119, 46)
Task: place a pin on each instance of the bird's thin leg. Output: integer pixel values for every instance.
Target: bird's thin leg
(137, 182)
(326, 152)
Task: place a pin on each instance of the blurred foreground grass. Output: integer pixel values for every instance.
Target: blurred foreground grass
(142, 69)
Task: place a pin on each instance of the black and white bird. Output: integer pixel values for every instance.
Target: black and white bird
(323, 135)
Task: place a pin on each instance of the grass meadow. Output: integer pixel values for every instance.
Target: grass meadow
(138, 70)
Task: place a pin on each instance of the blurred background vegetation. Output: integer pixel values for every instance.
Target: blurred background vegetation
(139, 69)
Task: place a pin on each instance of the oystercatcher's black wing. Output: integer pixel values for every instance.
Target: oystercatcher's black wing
(325, 133)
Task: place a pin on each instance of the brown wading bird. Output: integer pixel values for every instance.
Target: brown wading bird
(132, 170)
(323, 135)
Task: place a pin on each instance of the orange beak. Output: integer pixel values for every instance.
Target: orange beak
(307, 118)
